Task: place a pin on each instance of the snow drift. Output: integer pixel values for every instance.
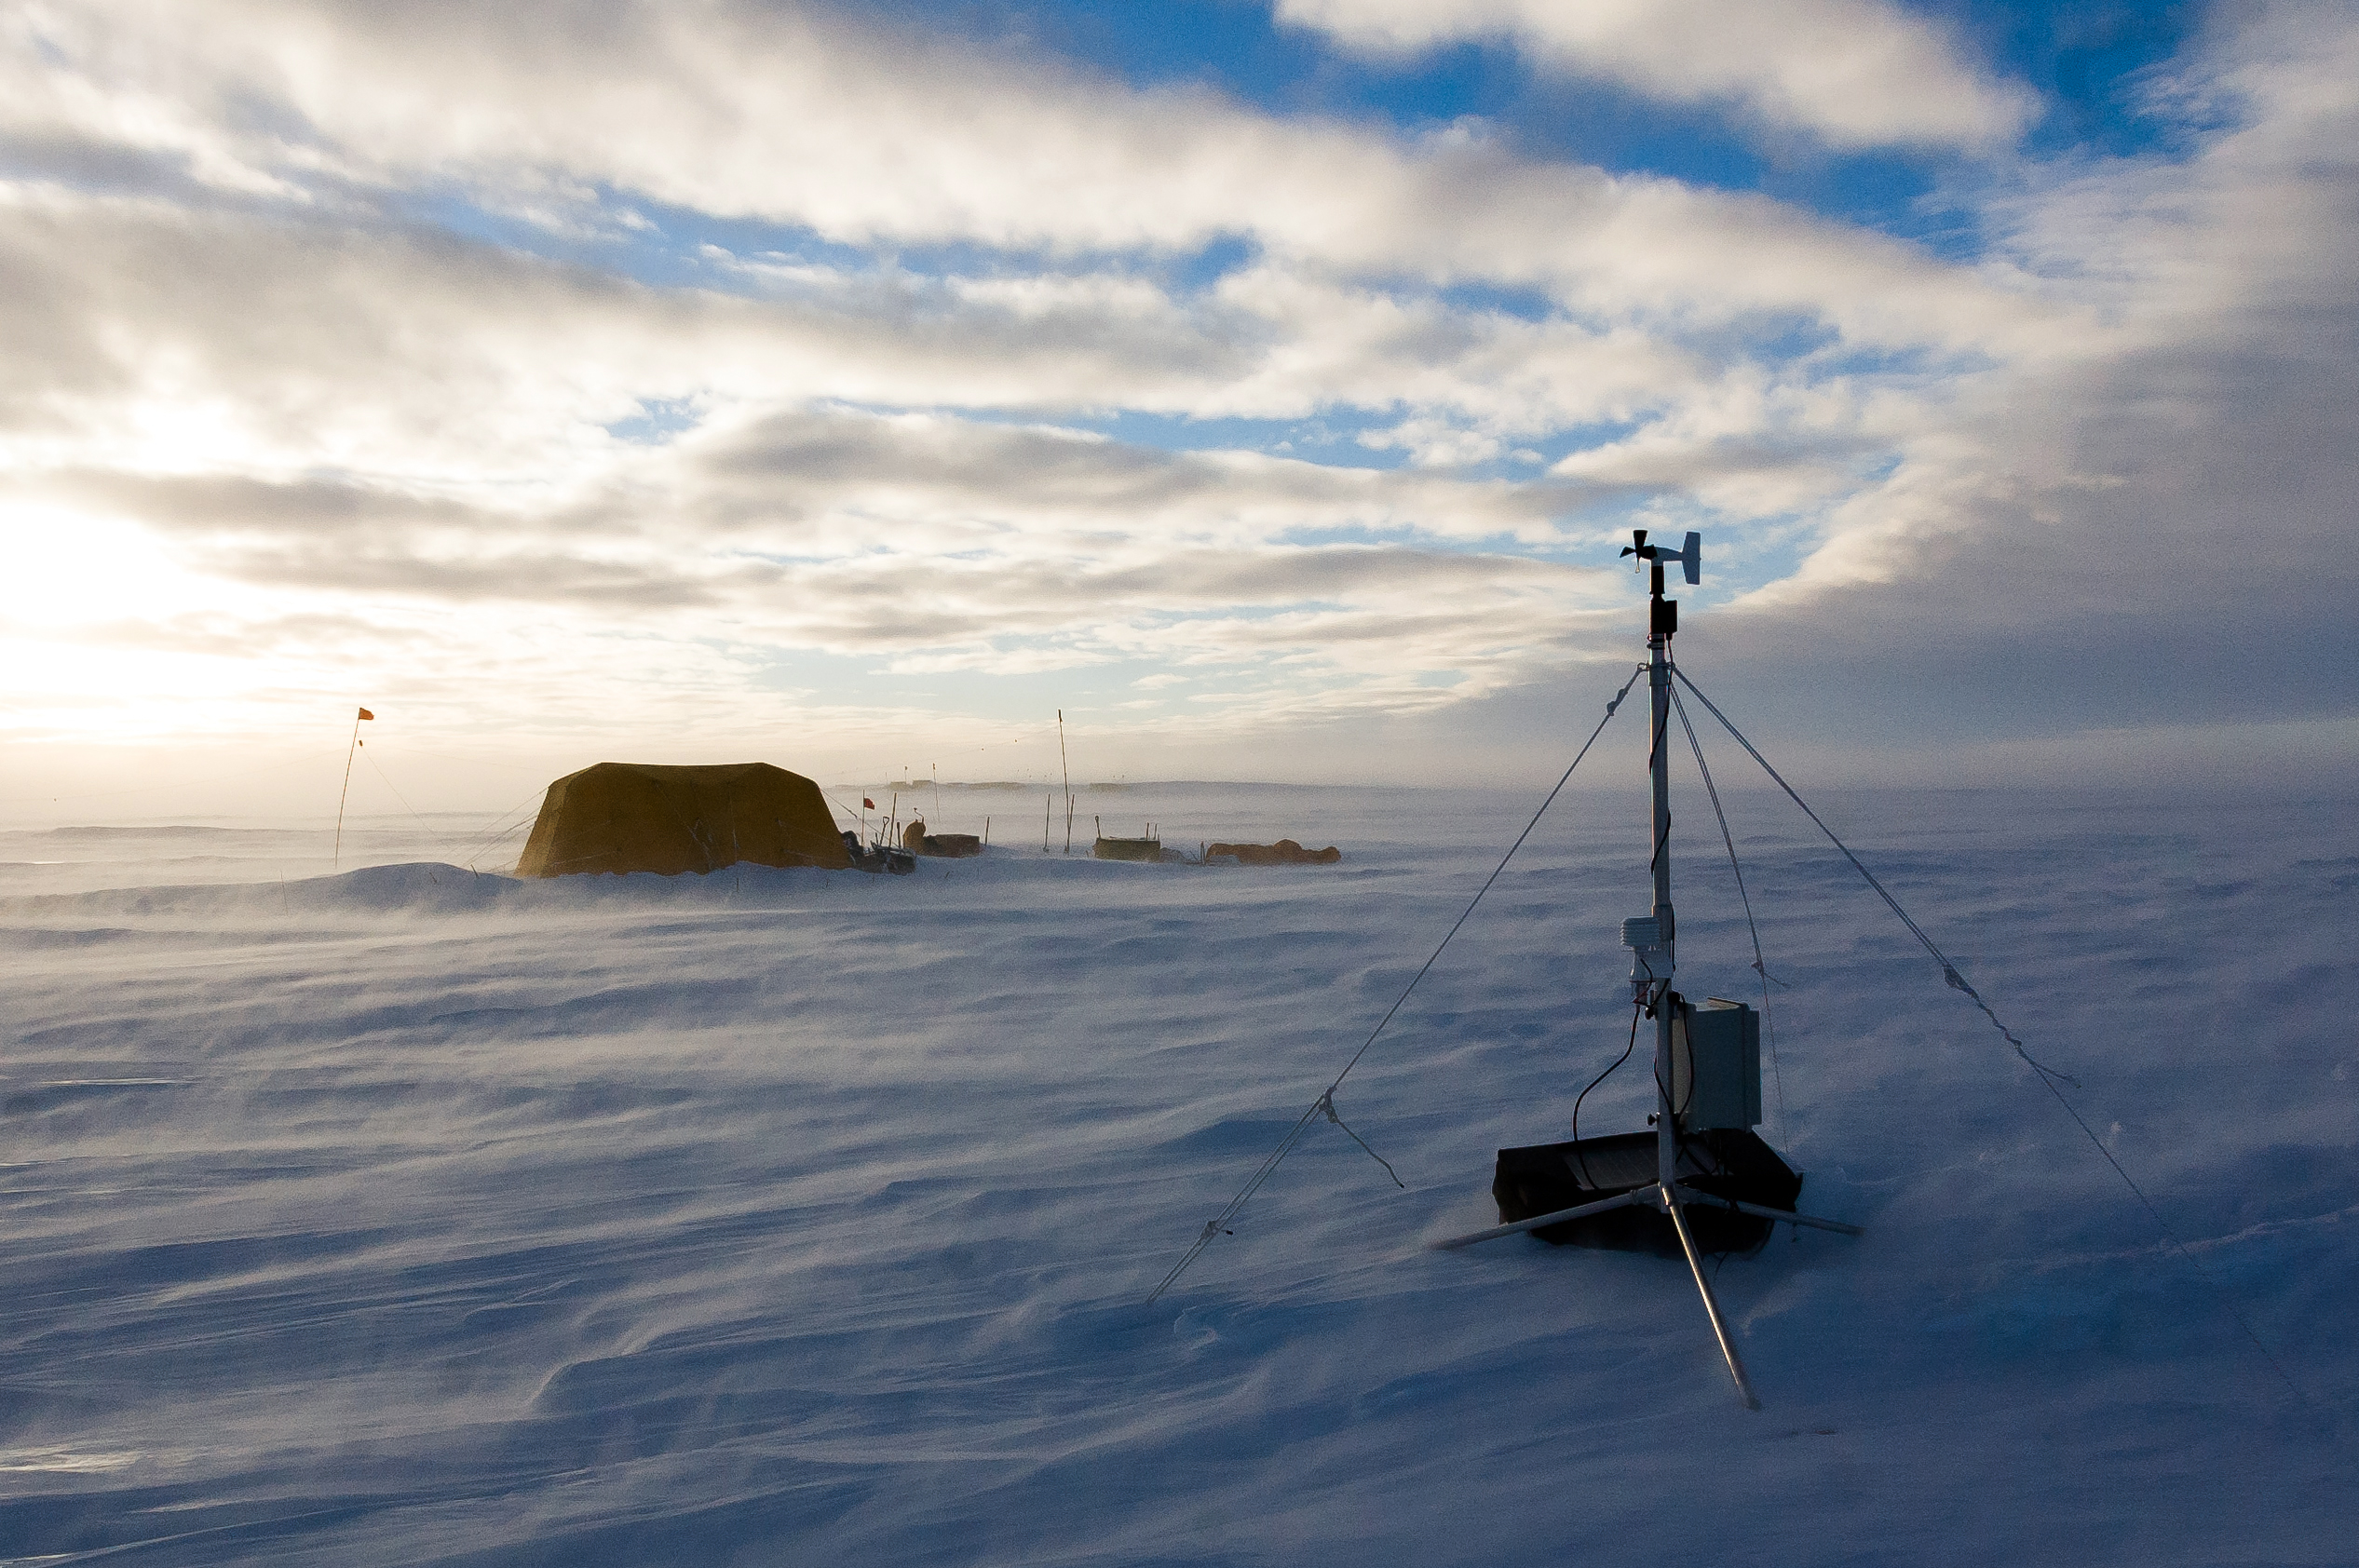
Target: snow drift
(413, 1215)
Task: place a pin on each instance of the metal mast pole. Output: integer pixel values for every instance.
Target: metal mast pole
(1662, 626)
(1651, 967)
(1663, 620)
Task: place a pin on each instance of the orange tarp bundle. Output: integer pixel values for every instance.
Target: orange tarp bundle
(1285, 852)
(641, 817)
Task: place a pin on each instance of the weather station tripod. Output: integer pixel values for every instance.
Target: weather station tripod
(1653, 941)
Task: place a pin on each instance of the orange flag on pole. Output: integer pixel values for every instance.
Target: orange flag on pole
(337, 858)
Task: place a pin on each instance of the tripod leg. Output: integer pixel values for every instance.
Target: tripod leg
(1782, 1216)
(1711, 1307)
(1537, 1220)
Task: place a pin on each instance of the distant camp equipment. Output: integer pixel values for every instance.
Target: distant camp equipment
(1149, 848)
(1285, 852)
(948, 847)
(641, 817)
(878, 857)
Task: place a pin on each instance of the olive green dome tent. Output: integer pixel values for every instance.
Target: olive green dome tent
(641, 817)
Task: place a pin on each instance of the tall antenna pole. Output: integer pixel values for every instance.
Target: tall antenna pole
(1063, 762)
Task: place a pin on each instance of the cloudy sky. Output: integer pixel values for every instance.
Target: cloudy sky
(1269, 386)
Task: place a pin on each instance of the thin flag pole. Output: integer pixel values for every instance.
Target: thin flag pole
(349, 752)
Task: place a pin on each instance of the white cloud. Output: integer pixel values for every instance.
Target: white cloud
(2119, 535)
(358, 447)
(1434, 444)
(867, 136)
(1853, 72)
(149, 338)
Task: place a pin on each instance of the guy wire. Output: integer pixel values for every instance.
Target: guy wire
(2049, 1076)
(1285, 1145)
(1760, 965)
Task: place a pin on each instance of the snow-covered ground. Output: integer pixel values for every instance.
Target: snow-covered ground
(408, 1215)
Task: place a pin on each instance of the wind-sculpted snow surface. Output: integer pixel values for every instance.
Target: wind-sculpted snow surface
(410, 1215)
